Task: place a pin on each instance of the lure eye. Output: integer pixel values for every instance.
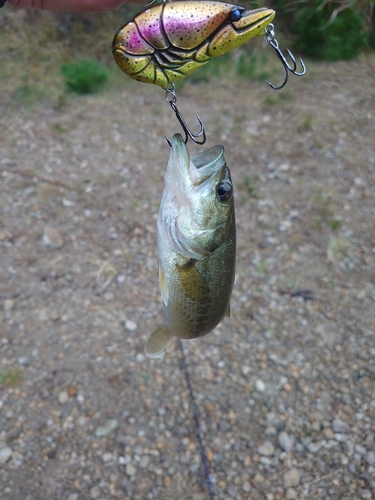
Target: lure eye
(224, 191)
(236, 15)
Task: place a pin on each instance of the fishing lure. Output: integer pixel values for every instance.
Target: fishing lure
(171, 40)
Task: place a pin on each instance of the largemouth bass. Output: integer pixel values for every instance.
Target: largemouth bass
(196, 245)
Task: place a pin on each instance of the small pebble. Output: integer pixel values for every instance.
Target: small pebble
(270, 430)
(63, 397)
(341, 438)
(130, 470)
(266, 449)
(291, 478)
(94, 492)
(73, 496)
(130, 325)
(245, 370)
(109, 426)
(144, 462)
(290, 494)
(313, 447)
(365, 494)
(285, 441)
(339, 426)
(107, 457)
(24, 360)
(370, 458)
(51, 238)
(360, 449)
(5, 455)
(68, 203)
(246, 486)
(260, 386)
(8, 304)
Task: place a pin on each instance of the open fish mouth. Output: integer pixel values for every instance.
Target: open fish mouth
(197, 168)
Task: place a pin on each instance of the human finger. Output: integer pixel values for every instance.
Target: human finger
(70, 5)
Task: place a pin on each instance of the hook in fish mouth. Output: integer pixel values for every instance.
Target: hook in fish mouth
(171, 98)
(270, 37)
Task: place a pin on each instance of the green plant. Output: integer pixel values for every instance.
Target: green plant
(270, 101)
(327, 30)
(10, 377)
(85, 77)
(252, 66)
(28, 93)
(250, 183)
(324, 215)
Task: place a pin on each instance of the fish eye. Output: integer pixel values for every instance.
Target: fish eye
(224, 191)
(236, 14)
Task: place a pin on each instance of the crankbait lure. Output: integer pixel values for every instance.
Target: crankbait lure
(171, 40)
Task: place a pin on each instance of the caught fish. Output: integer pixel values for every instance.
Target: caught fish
(196, 245)
(171, 40)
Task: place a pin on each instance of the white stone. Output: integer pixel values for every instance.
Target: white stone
(291, 478)
(107, 457)
(68, 203)
(245, 370)
(366, 494)
(5, 455)
(63, 397)
(109, 426)
(130, 325)
(285, 441)
(290, 494)
(8, 304)
(130, 470)
(260, 386)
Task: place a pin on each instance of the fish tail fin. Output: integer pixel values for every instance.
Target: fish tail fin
(158, 343)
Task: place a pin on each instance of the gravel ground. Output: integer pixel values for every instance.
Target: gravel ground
(285, 388)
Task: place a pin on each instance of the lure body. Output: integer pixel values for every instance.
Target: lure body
(169, 41)
(196, 245)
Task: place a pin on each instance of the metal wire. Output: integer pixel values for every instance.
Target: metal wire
(198, 431)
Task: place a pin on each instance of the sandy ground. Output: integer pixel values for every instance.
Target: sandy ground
(285, 387)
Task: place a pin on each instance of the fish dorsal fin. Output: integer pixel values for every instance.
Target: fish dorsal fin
(158, 343)
(192, 282)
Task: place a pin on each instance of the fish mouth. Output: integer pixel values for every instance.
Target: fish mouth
(197, 168)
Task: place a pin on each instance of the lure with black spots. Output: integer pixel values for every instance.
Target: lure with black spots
(169, 41)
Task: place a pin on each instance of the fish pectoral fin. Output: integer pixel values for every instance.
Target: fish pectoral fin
(163, 285)
(158, 343)
(192, 282)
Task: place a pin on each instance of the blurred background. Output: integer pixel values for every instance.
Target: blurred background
(285, 387)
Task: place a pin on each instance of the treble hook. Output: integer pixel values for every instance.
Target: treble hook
(171, 98)
(270, 37)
